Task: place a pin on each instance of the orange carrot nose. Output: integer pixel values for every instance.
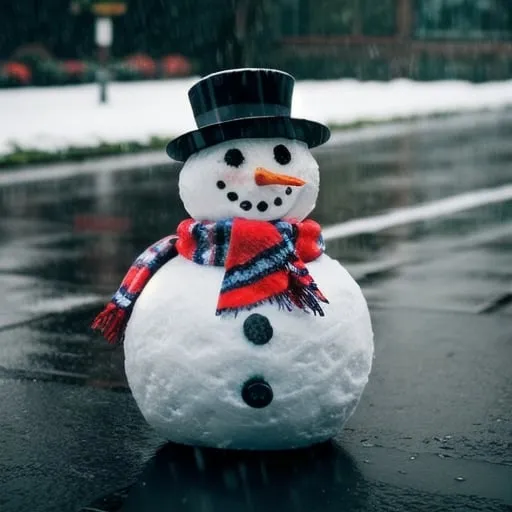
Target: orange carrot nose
(263, 177)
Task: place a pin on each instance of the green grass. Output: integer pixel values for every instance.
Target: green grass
(27, 156)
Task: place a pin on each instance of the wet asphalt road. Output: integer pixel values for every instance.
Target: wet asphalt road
(434, 428)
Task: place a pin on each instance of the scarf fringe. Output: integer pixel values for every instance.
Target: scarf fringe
(306, 299)
(111, 323)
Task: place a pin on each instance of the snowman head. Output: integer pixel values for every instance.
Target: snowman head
(260, 179)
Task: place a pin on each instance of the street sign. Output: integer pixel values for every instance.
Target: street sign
(109, 8)
(104, 33)
(104, 11)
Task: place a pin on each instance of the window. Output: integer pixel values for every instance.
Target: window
(338, 17)
(378, 18)
(464, 19)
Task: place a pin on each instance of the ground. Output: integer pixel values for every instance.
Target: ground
(433, 431)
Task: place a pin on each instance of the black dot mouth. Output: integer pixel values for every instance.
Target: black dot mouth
(247, 205)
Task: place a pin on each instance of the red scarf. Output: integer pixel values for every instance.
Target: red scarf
(263, 261)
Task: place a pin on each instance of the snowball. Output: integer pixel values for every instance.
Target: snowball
(186, 366)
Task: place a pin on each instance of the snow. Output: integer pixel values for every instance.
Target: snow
(58, 117)
(186, 366)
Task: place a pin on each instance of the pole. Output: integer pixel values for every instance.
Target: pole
(104, 36)
(102, 77)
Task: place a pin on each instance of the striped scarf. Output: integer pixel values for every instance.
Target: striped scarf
(264, 263)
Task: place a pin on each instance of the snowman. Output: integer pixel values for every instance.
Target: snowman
(239, 331)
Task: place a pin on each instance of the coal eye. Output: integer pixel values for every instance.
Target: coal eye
(282, 155)
(234, 157)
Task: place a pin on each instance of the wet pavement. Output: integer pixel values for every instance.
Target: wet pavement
(434, 428)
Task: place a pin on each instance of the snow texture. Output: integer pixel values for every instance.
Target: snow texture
(204, 200)
(186, 366)
(58, 117)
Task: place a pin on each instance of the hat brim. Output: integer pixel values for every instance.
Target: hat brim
(312, 133)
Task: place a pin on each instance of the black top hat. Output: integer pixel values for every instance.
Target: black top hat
(240, 104)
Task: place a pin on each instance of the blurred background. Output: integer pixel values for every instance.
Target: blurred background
(53, 41)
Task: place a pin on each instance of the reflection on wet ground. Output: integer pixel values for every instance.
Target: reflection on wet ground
(321, 478)
(440, 293)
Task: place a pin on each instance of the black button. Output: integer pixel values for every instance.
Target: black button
(221, 184)
(232, 196)
(257, 328)
(257, 393)
(246, 205)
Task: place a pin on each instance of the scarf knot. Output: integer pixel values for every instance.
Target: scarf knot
(264, 262)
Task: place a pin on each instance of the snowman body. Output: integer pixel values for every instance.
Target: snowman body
(187, 367)
(190, 370)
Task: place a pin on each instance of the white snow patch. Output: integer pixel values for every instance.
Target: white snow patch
(346, 101)
(55, 118)
(58, 117)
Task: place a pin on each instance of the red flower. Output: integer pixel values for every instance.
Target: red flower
(74, 67)
(19, 72)
(176, 65)
(143, 64)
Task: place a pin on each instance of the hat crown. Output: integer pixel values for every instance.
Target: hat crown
(241, 93)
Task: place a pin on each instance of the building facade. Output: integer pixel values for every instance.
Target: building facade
(365, 39)
(421, 39)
